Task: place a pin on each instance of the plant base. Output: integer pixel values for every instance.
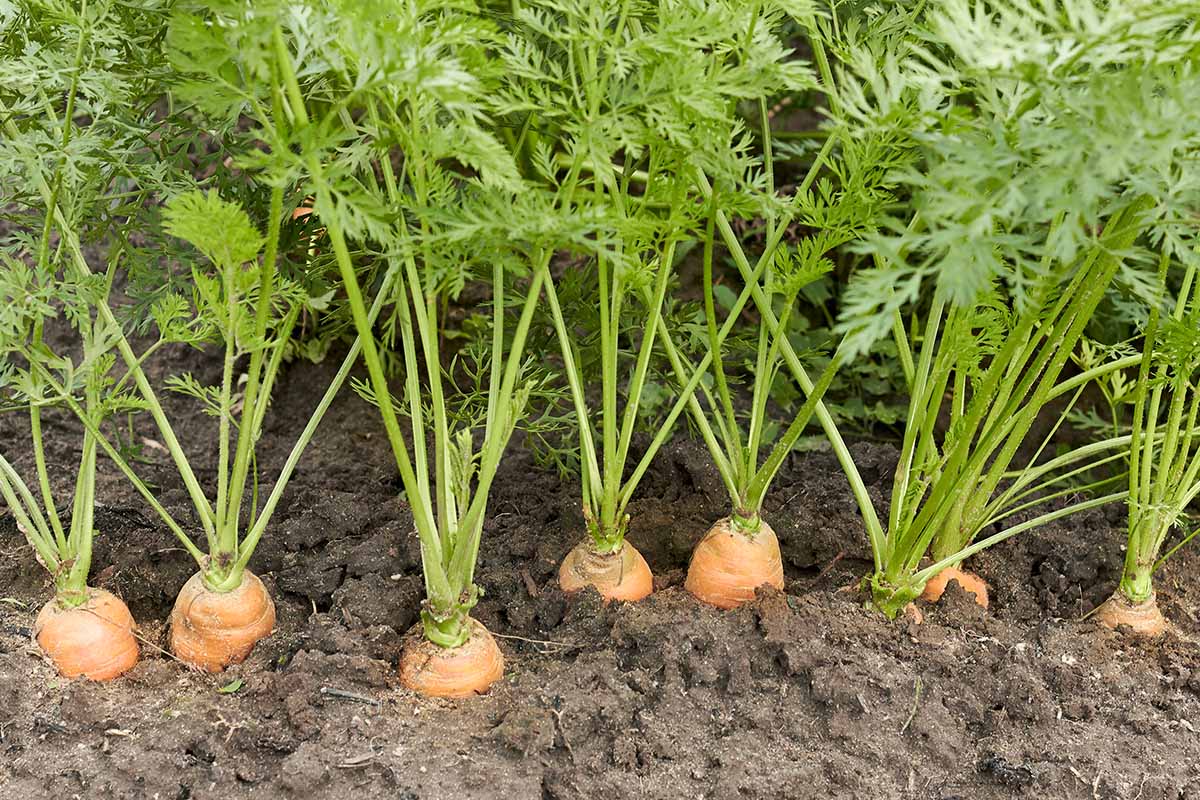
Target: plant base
(211, 630)
(94, 640)
(1143, 619)
(623, 575)
(969, 581)
(727, 566)
(464, 671)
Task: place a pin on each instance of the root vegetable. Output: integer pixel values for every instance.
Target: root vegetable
(463, 671)
(211, 630)
(94, 640)
(969, 581)
(623, 575)
(728, 565)
(1143, 619)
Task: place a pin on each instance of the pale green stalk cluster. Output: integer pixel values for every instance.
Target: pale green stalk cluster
(1164, 466)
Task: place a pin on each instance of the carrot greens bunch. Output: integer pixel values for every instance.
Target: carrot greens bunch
(1029, 199)
(1164, 459)
(122, 152)
(84, 630)
(621, 112)
(78, 164)
(843, 190)
(382, 110)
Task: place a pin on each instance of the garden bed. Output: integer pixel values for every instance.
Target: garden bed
(801, 694)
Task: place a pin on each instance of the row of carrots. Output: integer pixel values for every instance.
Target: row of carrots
(211, 631)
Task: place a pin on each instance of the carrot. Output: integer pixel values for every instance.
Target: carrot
(623, 575)
(968, 580)
(211, 630)
(94, 640)
(728, 565)
(462, 671)
(1144, 618)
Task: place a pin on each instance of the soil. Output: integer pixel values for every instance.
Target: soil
(801, 694)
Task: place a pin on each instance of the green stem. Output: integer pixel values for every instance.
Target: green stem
(437, 585)
(735, 453)
(724, 467)
(892, 597)
(875, 530)
(1137, 577)
(226, 551)
(43, 260)
(757, 489)
(979, 460)
(114, 456)
(250, 542)
(752, 277)
(71, 241)
(592, 477)
(412, 372)
(252, 398)
(439, 591)
(71, 583)
(29, 518)
(43, 475)
(462, 567)
(637, 383)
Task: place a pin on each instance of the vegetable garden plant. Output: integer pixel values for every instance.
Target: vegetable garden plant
(984, 179)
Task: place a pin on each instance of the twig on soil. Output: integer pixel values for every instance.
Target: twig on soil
(827, 568)
(19, 547)
(342, 694)
(357, 762)
(916, 702)
(142, 639)
(233, 727)
(558, 646)
(562, 731)
(530, 586)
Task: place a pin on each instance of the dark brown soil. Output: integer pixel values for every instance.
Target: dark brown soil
(803, 694)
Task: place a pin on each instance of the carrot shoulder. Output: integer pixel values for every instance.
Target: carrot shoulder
(462, 671)
(211, 630)
(623, 575)
(94, 640)
(972, 583)
(1143, 619)
(728, 565)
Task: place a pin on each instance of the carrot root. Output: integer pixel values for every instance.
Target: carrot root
(969, 581)
(94, 640)
(211, 630)
(623, 575)
(463, 671)
(728, 566)
(1143, 619)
